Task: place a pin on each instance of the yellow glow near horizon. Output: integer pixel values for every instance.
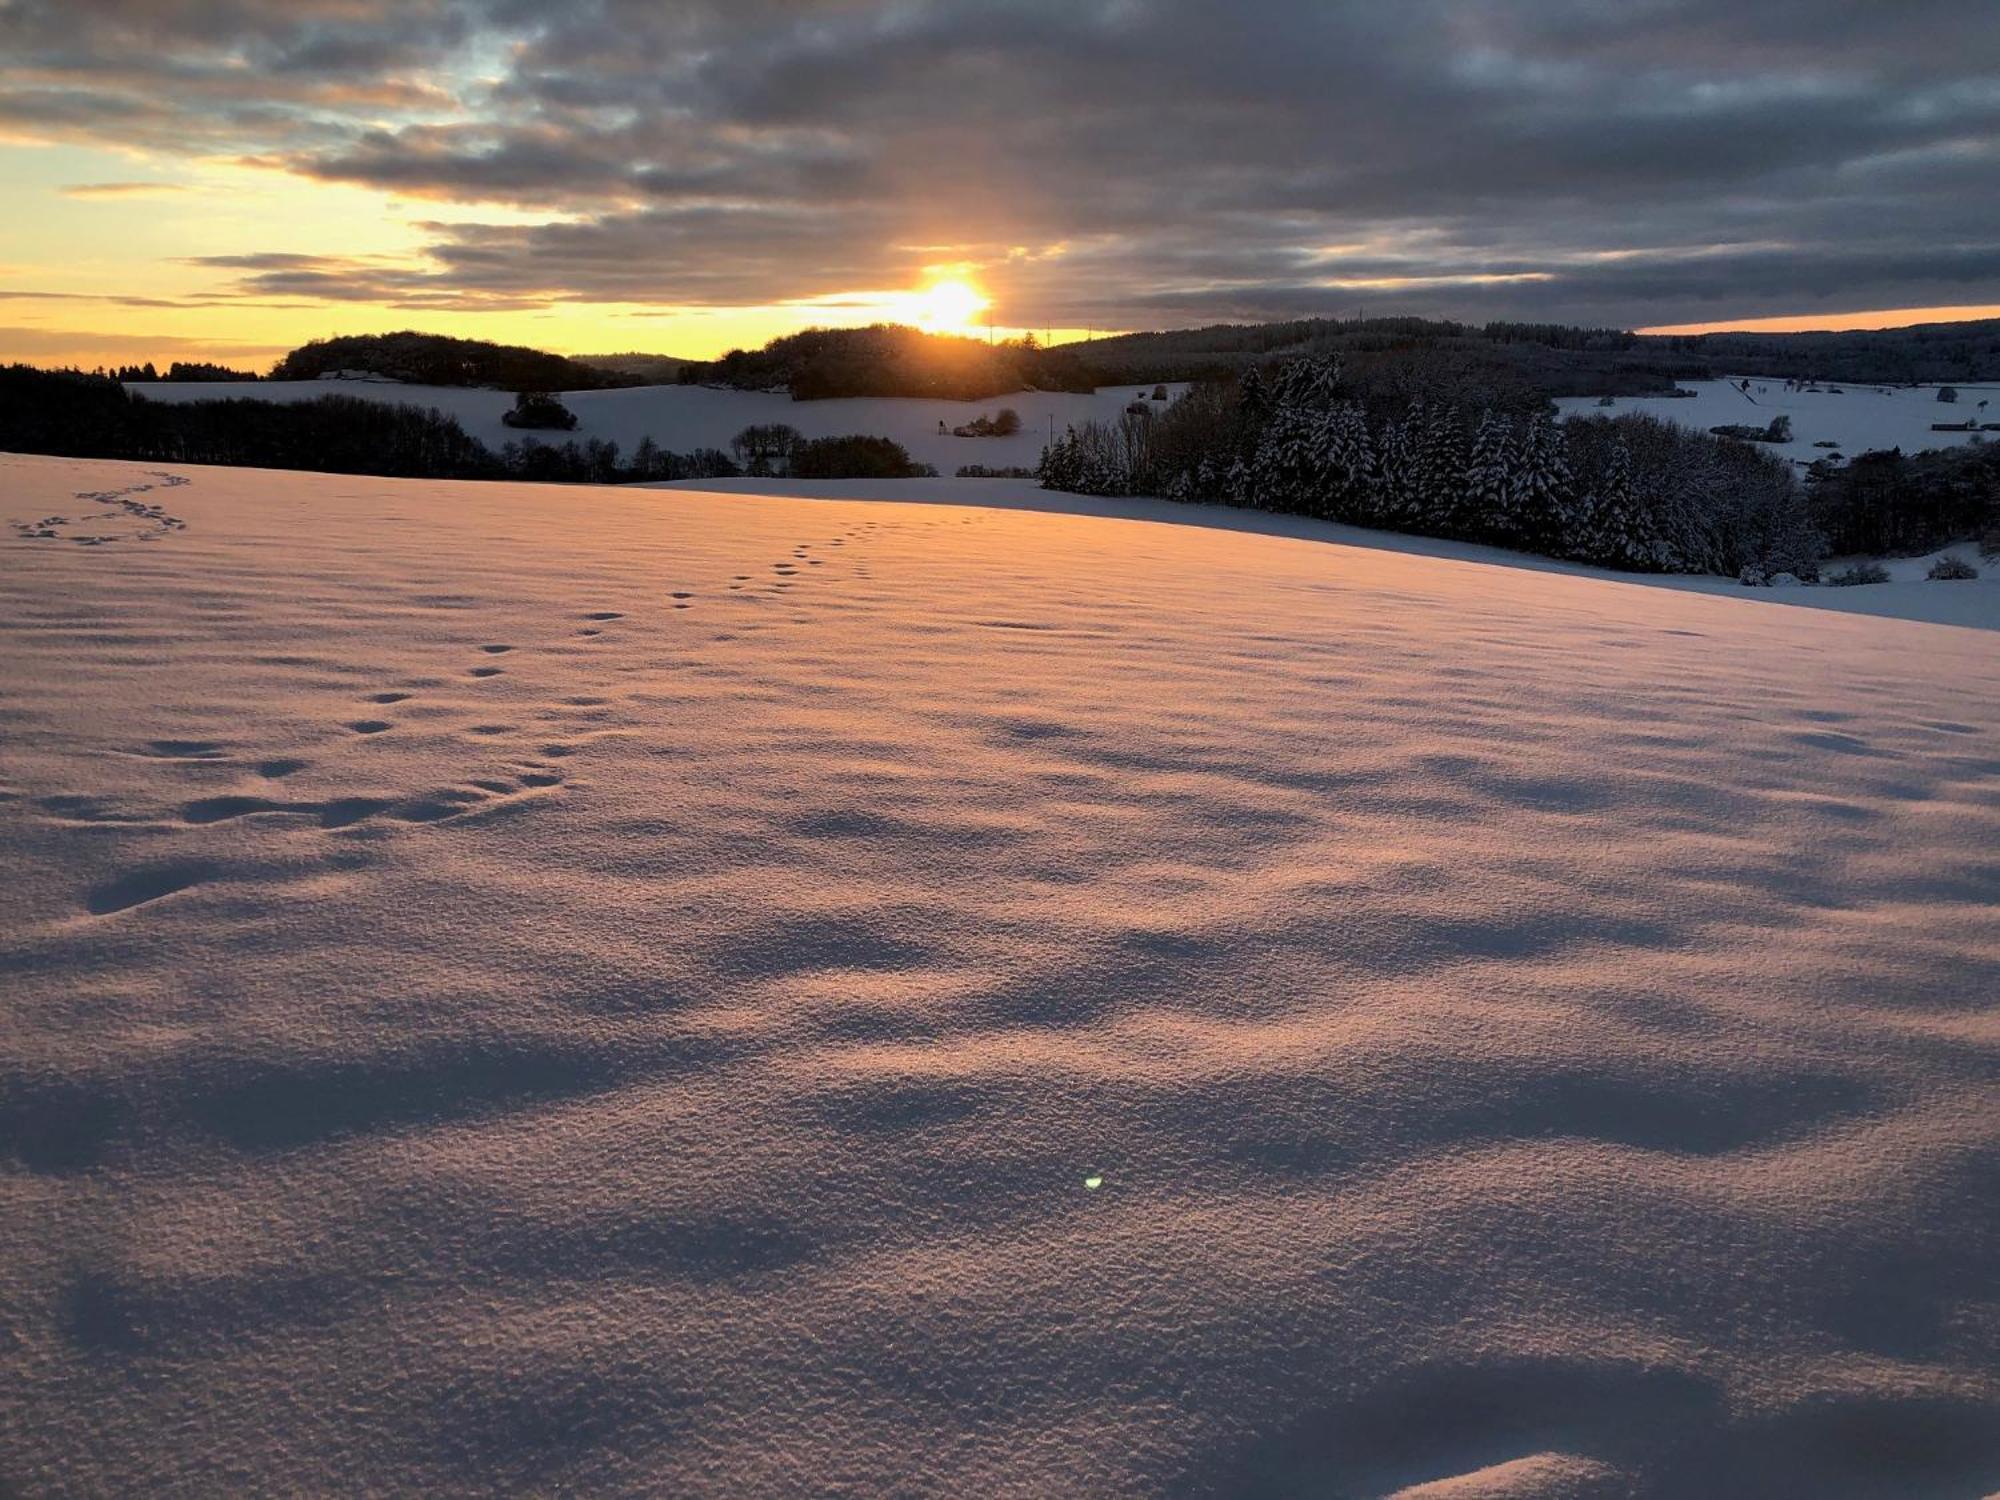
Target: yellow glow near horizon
(1894, 317)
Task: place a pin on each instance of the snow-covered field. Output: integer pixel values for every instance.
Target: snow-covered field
(681, 418)
(578, 990)
(1859, 418)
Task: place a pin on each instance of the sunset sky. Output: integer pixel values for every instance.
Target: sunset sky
(226, 180)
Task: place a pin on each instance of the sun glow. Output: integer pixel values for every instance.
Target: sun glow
(948, 307)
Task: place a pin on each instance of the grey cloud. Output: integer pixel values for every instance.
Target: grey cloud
(1156, 159)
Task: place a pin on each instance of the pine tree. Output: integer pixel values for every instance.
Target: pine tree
(1236, 483)
(1619, 529)
(1440, 473)
(1490, 495)
(1395, 474)
(1348, 461)
(1543, 490)
(1285, 469)
(1254, 399)
(1061, 467)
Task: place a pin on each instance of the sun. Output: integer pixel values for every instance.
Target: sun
(948, 307)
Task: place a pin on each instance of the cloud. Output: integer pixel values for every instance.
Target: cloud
(1116, 162)
(119, 189)
(81, 346)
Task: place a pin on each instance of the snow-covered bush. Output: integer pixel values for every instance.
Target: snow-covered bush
(1859, 573)
(1951, 569)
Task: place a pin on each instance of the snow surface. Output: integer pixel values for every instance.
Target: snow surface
(684, 417)
(1910, 594)
(582, 990)
(1860, 418)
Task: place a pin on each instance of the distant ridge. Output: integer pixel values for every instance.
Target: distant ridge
(1563, 361)
(437, 359)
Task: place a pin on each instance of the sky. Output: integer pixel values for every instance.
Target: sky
(225, 179)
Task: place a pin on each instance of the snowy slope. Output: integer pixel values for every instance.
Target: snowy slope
(681, 418)
(574, 990)
(1859, 418)
(1910, 595)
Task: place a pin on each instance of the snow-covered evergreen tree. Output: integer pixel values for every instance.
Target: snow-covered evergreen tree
(1542, 489)
(1490, 503)
(1616, 528)
(1349, 485)
(1395, 475)
(1285, 469)
(1440, 471)
(1061, 466)
(1236, 483)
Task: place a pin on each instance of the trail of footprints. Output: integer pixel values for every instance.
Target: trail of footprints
(517, 779)
(151, 517)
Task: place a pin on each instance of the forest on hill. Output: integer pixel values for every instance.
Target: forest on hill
(888, 359)
(436, 359)
(892, 360)
(1558, 360)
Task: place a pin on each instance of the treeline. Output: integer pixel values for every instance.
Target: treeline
(1925, 355)
(774, 448)
(1558, 360)
(180, 369)
(434, 359)
(1890, 503)
(891, 360)
(93, 416)
(1553, 359)
(1312, 439)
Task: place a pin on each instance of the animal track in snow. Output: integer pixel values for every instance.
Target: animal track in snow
(152, 518)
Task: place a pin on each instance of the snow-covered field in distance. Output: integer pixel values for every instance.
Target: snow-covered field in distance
(1860, 418)
(685, 417)
(572, 989)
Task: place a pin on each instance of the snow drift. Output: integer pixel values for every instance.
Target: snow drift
(600, 990)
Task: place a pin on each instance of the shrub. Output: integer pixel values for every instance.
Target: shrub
(1948, 394)
(540, 409)
(853, 457)
(1866, 572)
(1951, 569)
(981, 471)
(1006, 424)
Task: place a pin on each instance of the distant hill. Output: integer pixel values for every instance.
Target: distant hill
(434, 359)
(1557, 360)
(1928, 354)
(888, 359)
(648, 369)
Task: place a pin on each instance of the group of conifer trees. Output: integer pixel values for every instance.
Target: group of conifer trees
(1627, 492)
